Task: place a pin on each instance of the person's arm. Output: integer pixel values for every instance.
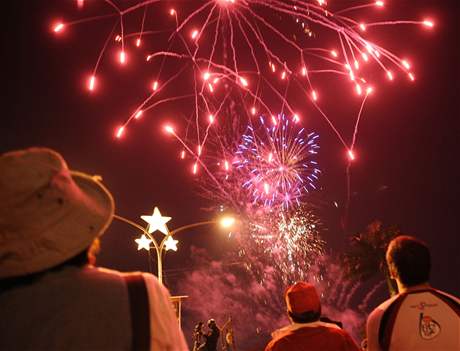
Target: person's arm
(165, 332)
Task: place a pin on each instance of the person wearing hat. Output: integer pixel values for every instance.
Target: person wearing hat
(51, 297)
(306, 332)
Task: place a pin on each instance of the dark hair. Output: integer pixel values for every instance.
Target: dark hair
(411, 258)
(305, 317)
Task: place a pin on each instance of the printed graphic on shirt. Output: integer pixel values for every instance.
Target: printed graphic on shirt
(428, 327)
(422, 305)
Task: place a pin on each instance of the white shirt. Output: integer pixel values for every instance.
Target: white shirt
(426, 320)
(165, 332)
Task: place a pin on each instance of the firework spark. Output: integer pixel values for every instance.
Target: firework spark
(290, 243)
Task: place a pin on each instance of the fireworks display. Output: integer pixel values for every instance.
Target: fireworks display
(276, 163)
(289, 243)
(219, 65)
(276, 54)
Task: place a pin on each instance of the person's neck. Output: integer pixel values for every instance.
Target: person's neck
(403, 288)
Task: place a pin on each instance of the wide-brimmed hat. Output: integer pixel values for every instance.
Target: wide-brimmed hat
(48, 214)
(302, 297)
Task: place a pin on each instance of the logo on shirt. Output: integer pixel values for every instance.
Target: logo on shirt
(422, 305)
(428, 327)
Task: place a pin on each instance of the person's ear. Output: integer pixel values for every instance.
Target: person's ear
(392, 271)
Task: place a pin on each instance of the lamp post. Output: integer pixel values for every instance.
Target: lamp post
(158, 222)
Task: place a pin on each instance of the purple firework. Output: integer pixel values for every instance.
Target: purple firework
(277, 162)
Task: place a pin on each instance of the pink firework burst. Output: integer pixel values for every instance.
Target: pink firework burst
(271, 51)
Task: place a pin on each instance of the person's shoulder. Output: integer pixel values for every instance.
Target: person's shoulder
(100, 273)
(276, 344)
(334, 331)
(380, 309)
(447, 295)
(105, 273)
(148, 277)
(343, 338)
(153, 283)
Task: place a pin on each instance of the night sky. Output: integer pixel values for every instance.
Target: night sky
(406, 173)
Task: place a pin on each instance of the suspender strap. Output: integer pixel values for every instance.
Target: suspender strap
(140, 316)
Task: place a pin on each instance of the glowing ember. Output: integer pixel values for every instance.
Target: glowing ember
(58, 27)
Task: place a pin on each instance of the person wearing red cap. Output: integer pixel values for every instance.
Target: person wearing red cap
(307, 332)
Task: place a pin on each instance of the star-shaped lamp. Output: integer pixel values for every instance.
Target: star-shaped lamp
(171, 244)
(143, 243)
(157, 222)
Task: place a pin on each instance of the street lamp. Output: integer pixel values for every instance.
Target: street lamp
(157, 222)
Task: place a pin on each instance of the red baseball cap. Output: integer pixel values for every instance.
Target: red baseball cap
(302, 297)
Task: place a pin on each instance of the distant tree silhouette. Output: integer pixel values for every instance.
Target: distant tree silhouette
(366, 256)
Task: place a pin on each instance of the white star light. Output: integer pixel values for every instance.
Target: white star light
(143, 243)
(171, 244)
(157, 222)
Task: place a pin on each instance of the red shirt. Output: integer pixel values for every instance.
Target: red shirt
(317, 336)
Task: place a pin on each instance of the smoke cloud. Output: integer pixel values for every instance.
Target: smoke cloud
(223, 289)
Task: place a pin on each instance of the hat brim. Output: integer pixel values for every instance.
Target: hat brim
(94, 189)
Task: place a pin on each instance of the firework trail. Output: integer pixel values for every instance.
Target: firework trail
(269, 50)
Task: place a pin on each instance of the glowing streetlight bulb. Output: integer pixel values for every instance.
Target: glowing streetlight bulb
(143, 243)
(171, 244)
(227, 222)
